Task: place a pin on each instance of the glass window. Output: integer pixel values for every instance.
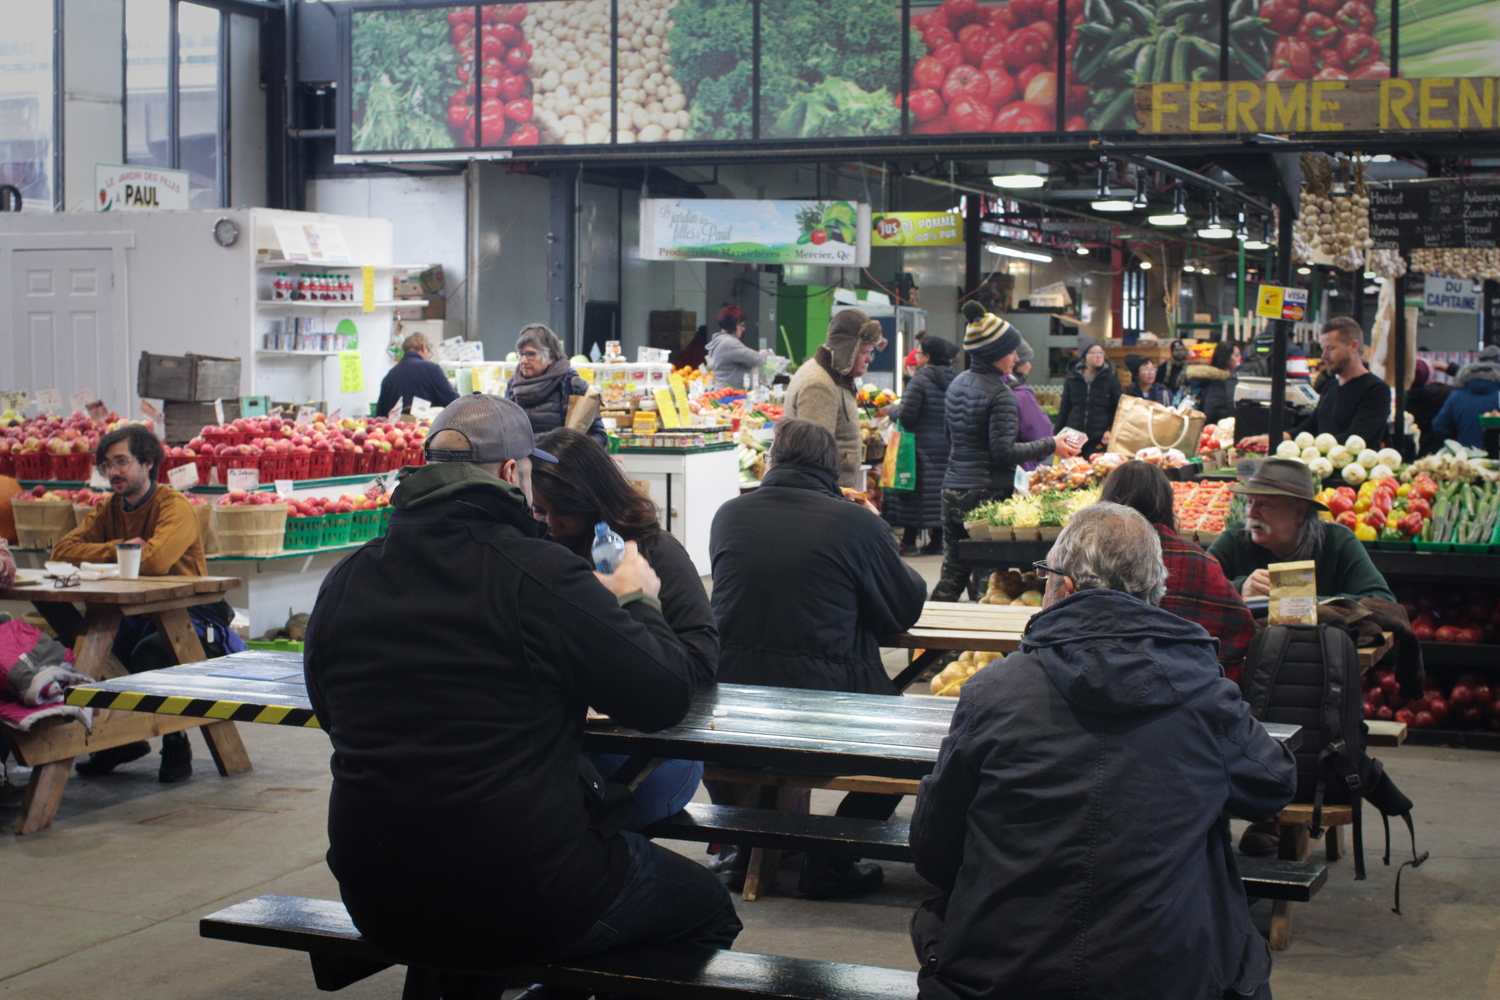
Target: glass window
(26, 89)
(147, 23)
(198, 96)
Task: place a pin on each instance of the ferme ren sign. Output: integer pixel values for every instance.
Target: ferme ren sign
(1430, 104)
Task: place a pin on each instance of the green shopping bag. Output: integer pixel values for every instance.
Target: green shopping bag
(899, 472)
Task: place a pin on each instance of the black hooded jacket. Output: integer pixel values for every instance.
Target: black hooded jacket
(1073, 821)
(451, 662)
(805, 585)
(1088, 406)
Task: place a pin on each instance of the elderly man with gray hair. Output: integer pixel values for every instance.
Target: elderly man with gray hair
(1076, 819)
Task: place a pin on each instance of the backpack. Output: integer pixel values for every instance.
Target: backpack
(1308, 676)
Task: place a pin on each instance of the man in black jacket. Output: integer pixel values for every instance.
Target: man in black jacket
(805, 585)
(414, 377)
(982, 420)
(451, 663)
(1074, 821)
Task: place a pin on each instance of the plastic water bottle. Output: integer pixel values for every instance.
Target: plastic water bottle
(609, 548)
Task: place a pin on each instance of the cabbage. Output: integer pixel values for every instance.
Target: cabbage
(1354, 473)
(1355, 444)
(1368, 458)
(1380, 471)
(1339, 456)
(1326, 443)
(1309, 453)
(1390, 458)
(1322, 467)
(1288, 449)
(1304, 440)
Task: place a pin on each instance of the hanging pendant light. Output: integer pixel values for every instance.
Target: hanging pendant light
(1215, 230)
(1178, 216)
(1103, 200)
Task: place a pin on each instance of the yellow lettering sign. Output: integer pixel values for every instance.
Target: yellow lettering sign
(1469, 99)
(1393, 105)
(1197, 104)
(1160, 105)
(1427, 104)
(1292, 110)
(1319, 88)
(1244, 97)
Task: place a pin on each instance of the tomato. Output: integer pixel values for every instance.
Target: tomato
(950, 55)
(1047, 29)
(458, 116)
(994, 56)
(509, 34)
(1003, 88)
(492, 13)
(975, 40)
(463, 94)
(1049, 11)
(515, 85)
(1002, 18)
(489, 86)
(1020, 116)
(966, 81)
(526, 135)
(1041, 90)
(515, 13)
(462, 32)
(1028, 73)
(517, 59)
(925, 105)
(818, 237)
(958, 12)
(519, 110)
(936, 126)
(491, 47)
(1025, 47)
(1078, 95)
(1026, 11)
(922, 22)
(491, 123)
(928, 74)
(1359, 49)
(970, 114)
(936, 37)
(462, 15)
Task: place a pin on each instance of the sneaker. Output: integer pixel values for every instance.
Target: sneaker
(1260, 840)
(105, 761)
(827, 878)
(176, 758)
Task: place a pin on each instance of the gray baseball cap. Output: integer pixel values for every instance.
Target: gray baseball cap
(496, 428)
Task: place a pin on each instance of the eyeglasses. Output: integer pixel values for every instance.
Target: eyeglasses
(71, 580)
(531, 355)
(121, 462)
(1043, 570)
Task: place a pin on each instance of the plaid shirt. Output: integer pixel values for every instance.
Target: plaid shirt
(1198, 591)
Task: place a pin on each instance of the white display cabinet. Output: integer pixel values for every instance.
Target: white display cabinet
(688, 487)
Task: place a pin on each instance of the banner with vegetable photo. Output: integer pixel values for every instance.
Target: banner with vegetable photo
(829, 70)
(1450, 38)
(406, 65)
(1115, 45)
(710, 50)
(567, 48)
(984, 67)
(1311, 40)
(830, 233)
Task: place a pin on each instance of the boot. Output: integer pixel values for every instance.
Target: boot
(1260, 840)
(105, 761)
(825, 877)
(176, 758)
(731, 864)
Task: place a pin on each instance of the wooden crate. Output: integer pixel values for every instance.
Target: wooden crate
(189, 378)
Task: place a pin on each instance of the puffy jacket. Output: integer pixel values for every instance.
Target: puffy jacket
(805, 586)
(1073, 820)
(545, 398)
(1089, 406)
(450, 662)
(982, 422)
(1477, 392)
(921, 412)
(1212, 387)
(735, 365)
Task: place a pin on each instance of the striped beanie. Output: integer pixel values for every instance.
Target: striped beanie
(988, 337)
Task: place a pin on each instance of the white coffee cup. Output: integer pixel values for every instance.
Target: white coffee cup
(128, 555)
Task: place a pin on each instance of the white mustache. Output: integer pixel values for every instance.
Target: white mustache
(1255, 524)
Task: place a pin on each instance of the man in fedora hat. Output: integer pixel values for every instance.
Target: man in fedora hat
(1282, 525)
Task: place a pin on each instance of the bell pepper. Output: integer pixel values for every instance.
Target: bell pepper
(1392, 520)
(1424, 487)
(1316, 28)
(1348, 519)
(1404, 490)
(1411, 524)
(1391, 535)
(1294, 55)
(1416, 505)
(1346, 491)
(1361, 505)
(1282, 15)
(1359, 48)
(1355, 16)
(1374, 517)
(1338, 503)
(1382, 501)
(1364, 533)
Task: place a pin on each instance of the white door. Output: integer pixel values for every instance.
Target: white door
(62, 304)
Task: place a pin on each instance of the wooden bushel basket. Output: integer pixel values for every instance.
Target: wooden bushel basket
(41, 523)
(249, 530)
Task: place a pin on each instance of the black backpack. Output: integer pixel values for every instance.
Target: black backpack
(1308, 676)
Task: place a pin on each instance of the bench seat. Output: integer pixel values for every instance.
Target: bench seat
(322, 928)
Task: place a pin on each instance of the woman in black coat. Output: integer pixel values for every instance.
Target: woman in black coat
(1211, 383)
(1090, 395)
(920, 412)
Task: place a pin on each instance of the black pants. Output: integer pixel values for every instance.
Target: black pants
(956, 503)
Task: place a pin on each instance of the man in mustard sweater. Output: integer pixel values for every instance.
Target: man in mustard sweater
(162, 522)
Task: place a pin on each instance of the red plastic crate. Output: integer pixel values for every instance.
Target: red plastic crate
(274, 467)
(225, 437)
(205, 467)
(7, 464)
(320, 465)
(365, 466)
(346, 463)
(73, 468)
(34, 465)
(415, 456)
(388, 461)
(223, 465)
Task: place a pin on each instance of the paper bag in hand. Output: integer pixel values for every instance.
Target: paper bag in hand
(582, 410)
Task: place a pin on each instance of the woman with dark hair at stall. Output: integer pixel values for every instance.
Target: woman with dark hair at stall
(1196, 586)
(1143, 380)
(545, 381)
(581, 489)
(735, 365)
(1210, 383)
(920, 412)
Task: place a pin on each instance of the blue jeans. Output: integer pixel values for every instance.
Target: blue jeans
(670, 787)
(667, 899)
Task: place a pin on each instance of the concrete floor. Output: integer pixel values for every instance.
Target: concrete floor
(105, 903)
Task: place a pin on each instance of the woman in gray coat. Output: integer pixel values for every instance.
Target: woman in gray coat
(735, 365)
(920, 412)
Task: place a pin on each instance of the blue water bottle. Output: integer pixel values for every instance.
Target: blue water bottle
(609, 548)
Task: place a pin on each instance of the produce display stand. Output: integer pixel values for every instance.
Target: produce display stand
(688, 486)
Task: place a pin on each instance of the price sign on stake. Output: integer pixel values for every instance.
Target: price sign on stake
(97, 481)
(395, 414)
(97, 410)
(305, 415)
(420, 407)
(157, 418)
(376, 488)
(14, 399)
(283, 487)
(183, 477)
(244, 479)
(48, 401)
(336, 415)
(219, 411)
(81, 399)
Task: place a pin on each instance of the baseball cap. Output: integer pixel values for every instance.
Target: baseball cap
(496, 428)
(1276, 477)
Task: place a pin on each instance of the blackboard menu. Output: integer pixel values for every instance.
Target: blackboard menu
(1436, 217)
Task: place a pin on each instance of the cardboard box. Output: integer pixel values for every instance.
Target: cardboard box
(671, 329)
(1294, 593)
(420, 284)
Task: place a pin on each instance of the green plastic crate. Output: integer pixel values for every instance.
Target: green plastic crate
(276, 645)
(385, 519)
(303, 533)
(1434, 546)
(336, 529)
(364, 525)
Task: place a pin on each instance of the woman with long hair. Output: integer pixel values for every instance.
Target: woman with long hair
(585, 487)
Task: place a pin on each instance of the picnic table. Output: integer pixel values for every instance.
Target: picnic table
(51, 744)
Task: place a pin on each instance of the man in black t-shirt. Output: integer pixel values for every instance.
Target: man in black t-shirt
(1354, 401)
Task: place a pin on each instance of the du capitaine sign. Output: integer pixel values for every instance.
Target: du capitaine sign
(1431, 104)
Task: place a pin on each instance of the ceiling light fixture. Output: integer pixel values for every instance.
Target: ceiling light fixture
(1215, 230)
(1241, 230)
(1263, 242)
(1178, 216)
(1005, 251)
(1140, 191)
(1145, 265)
(1189, 268)
(1304, 270)
(1082, 250)
(1017, 175)
(1103, 200)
